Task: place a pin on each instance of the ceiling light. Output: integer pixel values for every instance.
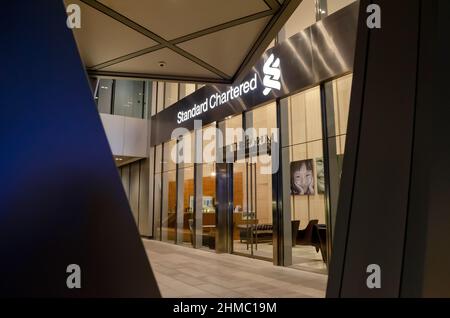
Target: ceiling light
(119, 159)
(162, 64)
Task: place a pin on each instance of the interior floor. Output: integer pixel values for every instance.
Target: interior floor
(303, 257)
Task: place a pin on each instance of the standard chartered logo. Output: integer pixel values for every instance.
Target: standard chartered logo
(272, 74)
(271, 80)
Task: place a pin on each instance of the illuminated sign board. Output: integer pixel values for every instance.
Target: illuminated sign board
(296, 64)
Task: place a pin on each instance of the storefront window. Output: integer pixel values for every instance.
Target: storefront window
(188, 206)
(186, 170)
(252, 186)
(337, 117)
(303, 145)
(157, 192)
(169, 194)
(208, 214)
(208, 206)
(157, 188)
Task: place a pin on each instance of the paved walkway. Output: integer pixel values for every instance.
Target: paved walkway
(187, 272)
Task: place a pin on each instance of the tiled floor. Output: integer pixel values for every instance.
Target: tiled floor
(187, 272)
(303, 257)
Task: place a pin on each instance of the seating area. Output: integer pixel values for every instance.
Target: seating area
(259, 232)
(208, 235)
(314, 235)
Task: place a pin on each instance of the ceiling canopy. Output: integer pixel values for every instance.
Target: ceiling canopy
(184, 40)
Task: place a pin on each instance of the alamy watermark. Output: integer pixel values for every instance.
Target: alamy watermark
(373, 280)
(374, 19)
(228, 145)
(73, 16)
(73, 280)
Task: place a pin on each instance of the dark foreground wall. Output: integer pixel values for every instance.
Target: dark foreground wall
(394, 207)
(61, 200)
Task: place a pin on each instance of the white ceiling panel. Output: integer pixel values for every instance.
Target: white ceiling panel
(174, 18)
(176, 65)
(221, 38)
(97, 39)
(226, 49)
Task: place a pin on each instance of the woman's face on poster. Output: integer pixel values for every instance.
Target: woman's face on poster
(303, 178)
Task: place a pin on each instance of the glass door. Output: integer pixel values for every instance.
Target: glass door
(252, 212)
(244, 210)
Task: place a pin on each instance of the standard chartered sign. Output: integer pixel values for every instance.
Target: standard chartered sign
(272, 74)
(217, 99)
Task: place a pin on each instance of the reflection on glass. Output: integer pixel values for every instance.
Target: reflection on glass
(208, 221)
(169, 204)
(157, 206)
(129, 98)
(103, 98)
(188, 207)
(169, 194)
(304, 147)
(171, 94)
(252, 190)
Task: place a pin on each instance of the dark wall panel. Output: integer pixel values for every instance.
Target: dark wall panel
(395, 195)
(61, 198)
(427, 256)
(380, 199)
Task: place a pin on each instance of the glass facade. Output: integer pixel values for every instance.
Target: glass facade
(104, 95)
(185, 216)
(337, 110)
(207, 224)
(173, 218)
(129, 98)
(311, 129)
(302, 144)
(123, 97)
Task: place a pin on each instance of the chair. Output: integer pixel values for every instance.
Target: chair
(295, 226)
(321, 236)
(305, 236)
(208, 239)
